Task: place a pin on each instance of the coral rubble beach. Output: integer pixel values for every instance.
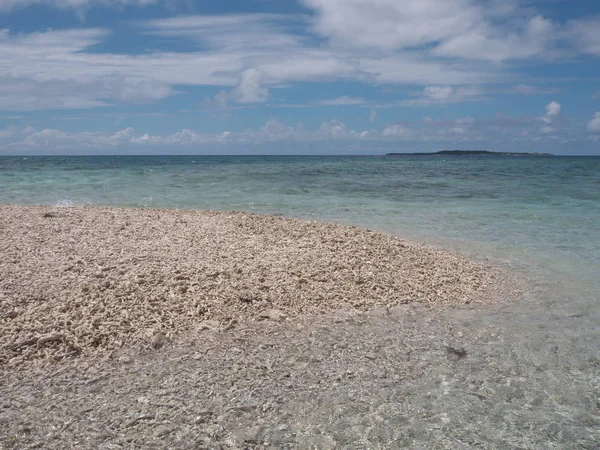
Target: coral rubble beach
(87, 281)
(142, 328)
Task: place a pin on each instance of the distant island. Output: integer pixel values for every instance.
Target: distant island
(470, 152)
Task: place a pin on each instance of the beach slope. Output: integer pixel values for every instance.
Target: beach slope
(88, 281)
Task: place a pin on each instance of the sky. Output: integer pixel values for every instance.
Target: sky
(298, 76)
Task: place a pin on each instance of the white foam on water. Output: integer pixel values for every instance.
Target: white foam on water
(64, 203)
(147, 201)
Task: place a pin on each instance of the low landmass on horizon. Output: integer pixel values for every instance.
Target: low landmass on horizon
(470, 152)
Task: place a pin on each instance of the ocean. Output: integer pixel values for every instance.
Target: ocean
(536, 216)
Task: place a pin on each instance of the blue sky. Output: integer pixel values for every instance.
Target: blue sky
(305, 76)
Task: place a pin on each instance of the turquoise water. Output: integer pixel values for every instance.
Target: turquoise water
(541, 212)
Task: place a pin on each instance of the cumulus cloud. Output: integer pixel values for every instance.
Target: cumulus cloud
(181, 138)
(496, 132)
(454, 28)
(391, 24)
(552, 110)
(334, 129)
(53, 140)
(30, 139)
(219, 101)
(594, 123)
(249, 89)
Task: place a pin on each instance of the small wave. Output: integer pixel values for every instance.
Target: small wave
(64, 203)
(146, 201)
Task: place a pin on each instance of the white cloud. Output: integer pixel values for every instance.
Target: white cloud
(56, 63)
(391, 24)
(552, 110)
(219, 101)
(271, 132)
(49, 71)
(454, 28)
(265, 42)
(184, 137)
(494, 133)
(244, 54)
(594, 123)
(496, 44)
(442, 45)
(55, 43)
(141, 91)
(53, 140)
(395, 130)
(439, 95)
(334, 129)
(249, 88)
(584, 34)
(343, 100)
(29, 139)
(26, 94)
(77, 5)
